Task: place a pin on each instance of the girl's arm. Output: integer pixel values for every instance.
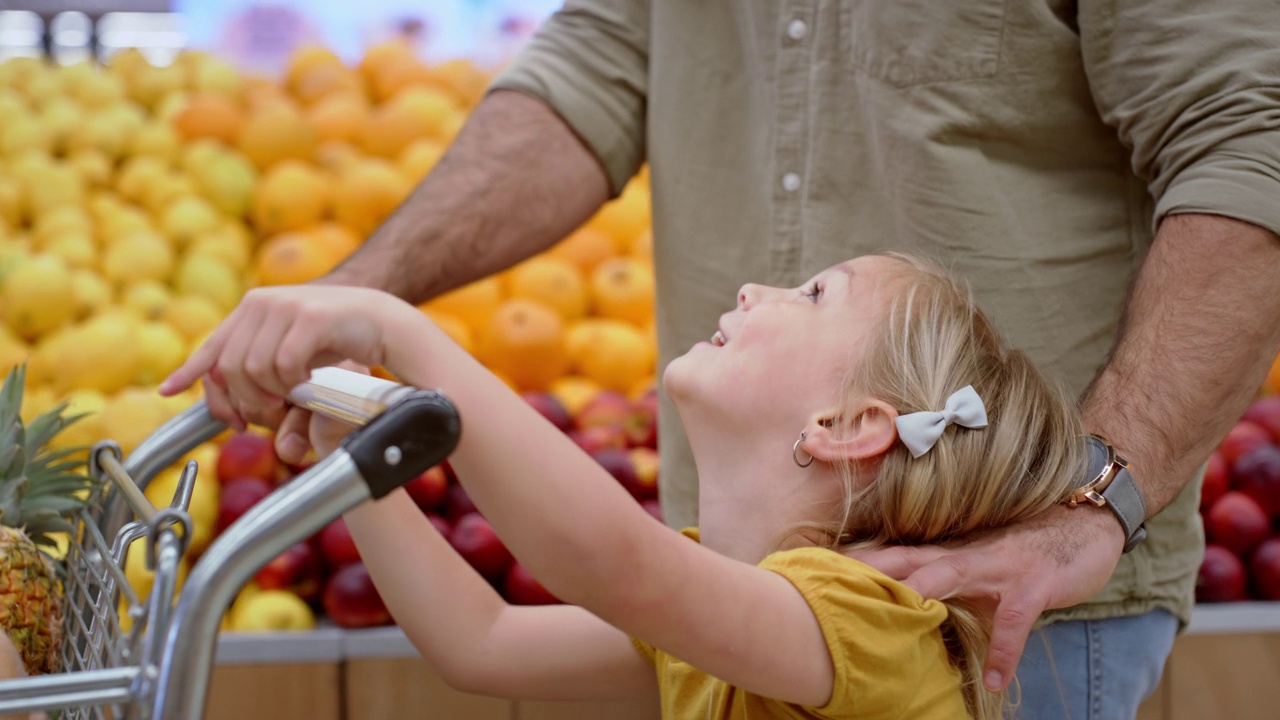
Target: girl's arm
(560, 513)
(474, 639)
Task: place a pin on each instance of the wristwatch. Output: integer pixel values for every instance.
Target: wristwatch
(1111, 486)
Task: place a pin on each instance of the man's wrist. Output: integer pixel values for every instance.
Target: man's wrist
(1109, 485)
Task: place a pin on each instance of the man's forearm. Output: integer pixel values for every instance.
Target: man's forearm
(1200, 328)
(515, 181)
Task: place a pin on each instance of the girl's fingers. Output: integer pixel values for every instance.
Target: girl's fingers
(220, 406)
(200, 362)
(259, 364)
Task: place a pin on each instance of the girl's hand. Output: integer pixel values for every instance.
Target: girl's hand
(277, 335)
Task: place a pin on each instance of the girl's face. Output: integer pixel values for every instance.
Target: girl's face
(785, 350)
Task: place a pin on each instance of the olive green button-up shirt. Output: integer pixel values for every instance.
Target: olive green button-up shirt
(1031, 145)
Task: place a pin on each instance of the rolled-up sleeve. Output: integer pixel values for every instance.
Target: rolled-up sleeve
(1193, 89)
(589, 63)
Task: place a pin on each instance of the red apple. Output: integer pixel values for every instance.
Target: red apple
(352, 601)
(519, 587)
(1257, 474)
(475, 540)
(442, 526)
(654, 508)
(298, 569)
(457, 503)
(1216, 481)
(247, 455)
(1240, 439)
(336, 544)
(429, 489)
(608, 408)
(1222, 577)
(1236, 523)
(550, 407)
(1264, 568)
(599, 437)
(619, 465)
(1265, 413)
(641, 424)
(645, 461)
(237, 497)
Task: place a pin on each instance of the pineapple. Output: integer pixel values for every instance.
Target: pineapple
(41, 491)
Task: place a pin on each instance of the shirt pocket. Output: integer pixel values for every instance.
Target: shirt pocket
(915, 42)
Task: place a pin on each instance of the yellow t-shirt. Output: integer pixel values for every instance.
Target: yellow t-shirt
(884, 640)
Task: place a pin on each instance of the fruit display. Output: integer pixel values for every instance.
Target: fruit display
(1240, 505)
(138, 203)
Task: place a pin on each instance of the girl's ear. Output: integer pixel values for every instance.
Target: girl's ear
(865, 433)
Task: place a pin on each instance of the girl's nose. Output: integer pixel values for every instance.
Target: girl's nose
(749, 295)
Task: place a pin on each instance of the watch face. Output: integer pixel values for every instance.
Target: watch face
(1097, 456)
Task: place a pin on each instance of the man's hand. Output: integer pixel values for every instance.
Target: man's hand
(1013, 574)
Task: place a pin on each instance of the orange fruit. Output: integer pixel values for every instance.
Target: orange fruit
(554, 282)
(396, 74)
(613, 353)
(624, 217)
(473, 303)
(274, 133)
(339, 239)
(318, 83)
(463, 78)
(415, 113)
(453, 326)
(260, 93)
(307, 60)
(1271, 386)
(642, 245)
(366, 193)
(212, 116)
(419, 158)
(585, 247)
(645, 385)
(338, 117)
(382, 56)
(336, 156)
(574, 392)
(293, 258)
(290, 195)
(622, 288)
(525, 341)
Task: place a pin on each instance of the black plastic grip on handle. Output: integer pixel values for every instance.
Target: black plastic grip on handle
(416, 433)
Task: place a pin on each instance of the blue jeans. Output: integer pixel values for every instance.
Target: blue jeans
(1093, 669)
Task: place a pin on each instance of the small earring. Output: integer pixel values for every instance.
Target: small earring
(796, 449)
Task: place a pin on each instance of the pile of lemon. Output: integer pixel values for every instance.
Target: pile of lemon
(138, 203)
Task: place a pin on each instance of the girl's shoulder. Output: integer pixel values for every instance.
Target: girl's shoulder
(828, 578)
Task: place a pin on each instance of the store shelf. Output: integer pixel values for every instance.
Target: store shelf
(325, 644)
(329, 643)
(1230, 618)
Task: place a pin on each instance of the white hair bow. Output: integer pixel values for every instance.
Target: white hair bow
(920, 430)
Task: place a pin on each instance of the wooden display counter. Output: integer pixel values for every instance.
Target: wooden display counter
(1227, 665)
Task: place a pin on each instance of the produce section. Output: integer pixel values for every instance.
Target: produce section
(139, 202)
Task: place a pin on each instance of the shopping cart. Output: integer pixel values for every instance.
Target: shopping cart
(159, 667)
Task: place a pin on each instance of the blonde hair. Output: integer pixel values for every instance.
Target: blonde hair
(933, 342)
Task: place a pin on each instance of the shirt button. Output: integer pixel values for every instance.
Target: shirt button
(791, 182)
(797, 29)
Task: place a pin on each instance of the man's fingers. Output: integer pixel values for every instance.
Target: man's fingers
(943, 578)
(899, 561)
(1010, 627)
(196, 365)
(291, 437)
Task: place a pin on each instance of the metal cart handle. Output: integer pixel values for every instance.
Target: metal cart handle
(417, 430)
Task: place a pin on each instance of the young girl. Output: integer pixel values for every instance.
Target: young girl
(873, 405)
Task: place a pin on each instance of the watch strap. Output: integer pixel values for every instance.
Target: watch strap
(1128, 506)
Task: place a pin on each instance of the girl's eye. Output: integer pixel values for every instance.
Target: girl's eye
(813, 292)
